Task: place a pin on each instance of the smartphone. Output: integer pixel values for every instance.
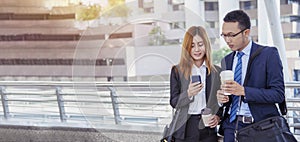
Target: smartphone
(196, 78)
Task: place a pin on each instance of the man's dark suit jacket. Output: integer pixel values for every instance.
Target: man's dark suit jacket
(179, 98)
(265, 85)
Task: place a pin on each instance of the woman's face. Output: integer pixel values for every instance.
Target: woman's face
(198, 49)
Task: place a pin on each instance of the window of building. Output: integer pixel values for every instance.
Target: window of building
(285, 19)
(213, 24)
(247, 5)
(175, 7)
(283, 1)
(177, 25)
(295, 35)
(294, 18)
(149, 10)
(292, 1)
(288, 19)
(211, 6)
(210, 24)
(141, 3)
(297, 78)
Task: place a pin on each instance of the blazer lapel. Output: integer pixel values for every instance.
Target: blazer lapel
(253, 48)
(229, 60)
(207, 85)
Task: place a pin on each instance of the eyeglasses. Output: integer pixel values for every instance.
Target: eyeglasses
(232, 36)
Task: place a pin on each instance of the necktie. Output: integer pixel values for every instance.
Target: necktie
(238, 79)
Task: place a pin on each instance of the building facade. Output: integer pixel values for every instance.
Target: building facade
(43, 38)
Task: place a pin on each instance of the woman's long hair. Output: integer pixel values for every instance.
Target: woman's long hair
(186, 60)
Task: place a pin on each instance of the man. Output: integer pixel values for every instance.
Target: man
(258, 81)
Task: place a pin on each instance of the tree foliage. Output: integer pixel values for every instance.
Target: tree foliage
(115, 2)
(219, 54)
(156, 36)
(88, 12)
(116, 8)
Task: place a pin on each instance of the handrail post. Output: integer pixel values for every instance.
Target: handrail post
(4, 102)
(115, 105)
(61, 106)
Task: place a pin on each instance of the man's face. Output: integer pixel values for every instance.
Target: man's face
(236, 39)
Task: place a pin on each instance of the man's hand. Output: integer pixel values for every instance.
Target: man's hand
(234, 88)
(221, 97)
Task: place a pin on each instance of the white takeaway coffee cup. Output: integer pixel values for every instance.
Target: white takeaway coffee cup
(206, 116)
(225, 76)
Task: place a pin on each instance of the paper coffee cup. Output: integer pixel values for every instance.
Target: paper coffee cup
(206, 119)
(225, 76)
(206, 116)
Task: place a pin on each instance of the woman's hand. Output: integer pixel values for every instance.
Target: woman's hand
(214, 121)
(194, 88)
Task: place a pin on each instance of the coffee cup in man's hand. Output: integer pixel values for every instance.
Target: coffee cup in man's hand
(226, 75)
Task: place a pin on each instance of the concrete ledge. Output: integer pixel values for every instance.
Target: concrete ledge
(67, 134)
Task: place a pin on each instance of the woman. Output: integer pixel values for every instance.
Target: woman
(190, 98)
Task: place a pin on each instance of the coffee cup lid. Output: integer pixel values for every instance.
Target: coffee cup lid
(206, 111)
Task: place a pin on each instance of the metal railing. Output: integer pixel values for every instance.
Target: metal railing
(113, 105)
(293, 106)
(142, 106)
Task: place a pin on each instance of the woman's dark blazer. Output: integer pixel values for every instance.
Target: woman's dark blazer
(179, 98)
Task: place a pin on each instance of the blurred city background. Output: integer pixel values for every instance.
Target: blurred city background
(98, 70)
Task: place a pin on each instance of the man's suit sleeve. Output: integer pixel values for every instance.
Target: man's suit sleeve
(178, 98)
(273, 91)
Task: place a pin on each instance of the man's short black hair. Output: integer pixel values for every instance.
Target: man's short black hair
(238, 16)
